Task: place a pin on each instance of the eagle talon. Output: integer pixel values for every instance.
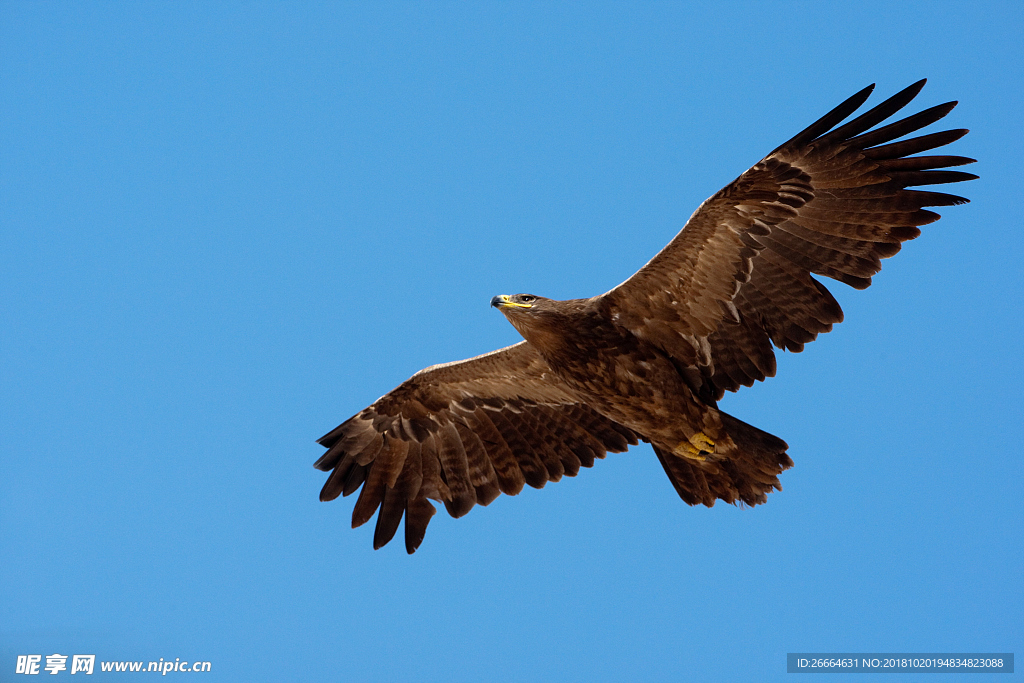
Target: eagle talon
(703, 442)
(696, 447)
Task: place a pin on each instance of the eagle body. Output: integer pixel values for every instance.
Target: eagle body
(601, 363)
(650, 359)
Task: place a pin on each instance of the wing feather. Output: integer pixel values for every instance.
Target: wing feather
(418, 512)
(503, 461)
(389, 518)
(534, 472)
(481, 473)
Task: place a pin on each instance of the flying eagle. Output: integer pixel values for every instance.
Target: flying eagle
(649, 359)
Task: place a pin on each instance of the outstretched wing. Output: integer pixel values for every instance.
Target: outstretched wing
(831, 201)
(461, 433)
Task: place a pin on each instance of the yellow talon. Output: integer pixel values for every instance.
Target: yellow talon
(694, 449)
(687, 450)
(703, 442)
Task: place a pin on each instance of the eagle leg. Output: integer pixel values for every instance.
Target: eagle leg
(696, 447)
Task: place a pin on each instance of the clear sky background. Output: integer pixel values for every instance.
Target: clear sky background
(225, 228)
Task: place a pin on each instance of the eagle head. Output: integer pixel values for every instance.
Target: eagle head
(507, 303)
(534, 317)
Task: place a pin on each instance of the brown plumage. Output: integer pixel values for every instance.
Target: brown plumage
(649, 359)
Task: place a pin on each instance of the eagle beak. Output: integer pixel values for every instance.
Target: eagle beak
(505, 301)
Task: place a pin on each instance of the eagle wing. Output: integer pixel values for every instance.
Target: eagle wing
(831, 201)
(461, 433)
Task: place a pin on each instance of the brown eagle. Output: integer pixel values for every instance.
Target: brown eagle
(650, 359)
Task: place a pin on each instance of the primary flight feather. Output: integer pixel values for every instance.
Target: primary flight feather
(649, 359)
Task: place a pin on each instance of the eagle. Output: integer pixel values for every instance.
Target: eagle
(650, 359)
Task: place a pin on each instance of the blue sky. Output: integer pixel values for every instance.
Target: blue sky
(225, 228)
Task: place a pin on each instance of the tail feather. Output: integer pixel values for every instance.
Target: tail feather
(746, 474)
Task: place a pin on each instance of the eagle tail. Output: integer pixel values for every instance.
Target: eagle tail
(746, 474)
